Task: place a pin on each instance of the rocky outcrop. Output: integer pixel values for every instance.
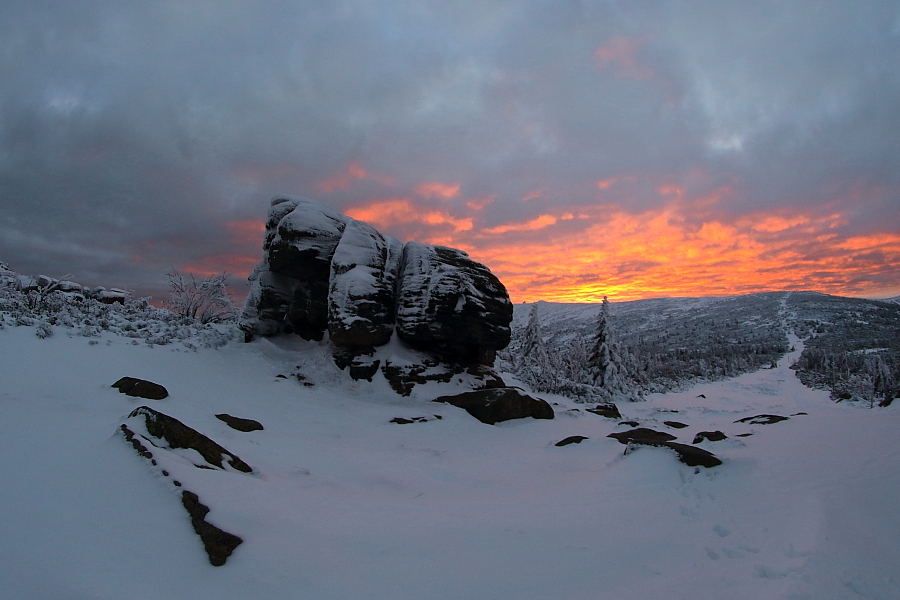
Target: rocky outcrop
(499, 404)
(361, 297)
(325, 272)
(451, 305)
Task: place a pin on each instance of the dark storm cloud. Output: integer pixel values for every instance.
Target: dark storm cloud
(136, 135)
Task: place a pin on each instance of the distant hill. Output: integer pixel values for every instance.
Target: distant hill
(669, 343)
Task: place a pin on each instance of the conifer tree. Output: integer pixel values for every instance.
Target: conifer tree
(604, 365)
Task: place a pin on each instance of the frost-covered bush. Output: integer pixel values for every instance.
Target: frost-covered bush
(47, 307)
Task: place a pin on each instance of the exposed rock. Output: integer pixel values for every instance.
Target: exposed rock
(799, 414)
(712, 436)
(402, 377)
(675, 424)
(178, 435)
(240, 424)
(572, 439)
(642, 435)
(744, 434)
(113, 296)
(693, 456)
(451, 305)
(218, 544)
(359, 360)
(689, 455)
(363, 278)
(289, 288)
(140, 388)
(762, 419)
(322, 271)
(499, 404)
(405, 421)
(630, 423)
(608, 410)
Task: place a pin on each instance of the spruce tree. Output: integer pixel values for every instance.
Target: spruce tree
(604, 363)
(601, 357)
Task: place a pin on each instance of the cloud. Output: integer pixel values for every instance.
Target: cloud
(439, 190)
(700, 146)
(621, 52)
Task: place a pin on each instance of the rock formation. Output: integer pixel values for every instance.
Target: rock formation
(325, 272)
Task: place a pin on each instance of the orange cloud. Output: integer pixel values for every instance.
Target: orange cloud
(538, 222)
(399, 213)
(477, 204)
(351, 173)
(439, 190)
(621, 52)
(533, 194)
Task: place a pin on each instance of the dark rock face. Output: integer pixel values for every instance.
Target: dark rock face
(499, 404)
(689, 455)
(762, 419)
(140, 388)
(289, 288)
(675, 424)
(245, 425)
(451, 305)
(178, 435)
(713, 436)
(322, 271)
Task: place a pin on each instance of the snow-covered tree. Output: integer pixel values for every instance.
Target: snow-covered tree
(535, 364)
(604, 365)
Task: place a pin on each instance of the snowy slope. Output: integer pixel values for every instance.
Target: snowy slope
(344, 504)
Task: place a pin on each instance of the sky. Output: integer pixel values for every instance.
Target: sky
(635, 149)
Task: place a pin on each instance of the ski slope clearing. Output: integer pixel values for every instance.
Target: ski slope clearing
(343, 503)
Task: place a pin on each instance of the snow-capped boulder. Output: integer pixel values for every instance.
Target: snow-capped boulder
(302, 242)
(289, 288)
(322, 271)
(449, 304)
(361, 295)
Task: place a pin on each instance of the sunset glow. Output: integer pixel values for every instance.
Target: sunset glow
(628, 149)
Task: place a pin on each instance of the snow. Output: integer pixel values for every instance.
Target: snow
(344, 504)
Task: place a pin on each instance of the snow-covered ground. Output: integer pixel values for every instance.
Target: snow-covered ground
(342, 503)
